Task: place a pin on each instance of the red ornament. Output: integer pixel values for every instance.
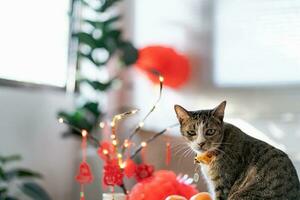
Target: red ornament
(161, 185)
(84, 176)
(105, 150)
(143, 171)
(168, 153)
(113, 174)
(130, 167)
(175, 68)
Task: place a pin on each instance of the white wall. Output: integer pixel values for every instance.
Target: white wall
(28, 126)
(274, 113)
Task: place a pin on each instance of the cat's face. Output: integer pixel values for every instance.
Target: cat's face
(202, 129)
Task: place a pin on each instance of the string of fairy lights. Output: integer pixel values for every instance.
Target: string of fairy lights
(121, 148)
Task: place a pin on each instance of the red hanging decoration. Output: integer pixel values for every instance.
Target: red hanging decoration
(113, 175)
(168, 153)
(84, 175)
(143, 171)
(174, 67)
(105, 150)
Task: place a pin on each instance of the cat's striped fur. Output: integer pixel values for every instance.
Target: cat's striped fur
(244, 168)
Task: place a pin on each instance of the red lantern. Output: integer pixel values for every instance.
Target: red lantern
(175, 68)
(84, 176)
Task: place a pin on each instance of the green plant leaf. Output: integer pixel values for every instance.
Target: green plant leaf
(35, 191)
(2, 177)
(20, 173)
(10, 198)
(77, 119)
(92, 107)
(90, 57)
(107, 4)
(6, 159)
(86, 39)
(98, 85)
(3, 191)
(129, 54)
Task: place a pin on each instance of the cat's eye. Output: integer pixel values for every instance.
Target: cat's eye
(191, 133)
(210, 132)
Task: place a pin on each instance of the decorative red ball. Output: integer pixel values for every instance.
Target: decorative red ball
(143, 171)
(174, 67)
(84, 175)
(161, 185)
(113, 174)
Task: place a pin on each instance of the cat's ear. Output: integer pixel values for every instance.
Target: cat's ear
(219, 110)
(182, 114)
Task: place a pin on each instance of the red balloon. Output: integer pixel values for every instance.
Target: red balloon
(85, 175)
(174, 67)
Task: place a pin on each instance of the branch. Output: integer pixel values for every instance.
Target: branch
(151, 139)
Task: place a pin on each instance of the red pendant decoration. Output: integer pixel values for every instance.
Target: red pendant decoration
(168, 153)
(84, 176)
(174, 67)
(113, 175)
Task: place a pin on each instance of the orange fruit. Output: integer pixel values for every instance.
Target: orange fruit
(201, 196)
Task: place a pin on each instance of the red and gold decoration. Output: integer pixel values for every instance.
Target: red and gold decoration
(174, 67)
(119, 161)
(84, 175)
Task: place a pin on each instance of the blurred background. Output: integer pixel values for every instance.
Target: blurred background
(72, 58)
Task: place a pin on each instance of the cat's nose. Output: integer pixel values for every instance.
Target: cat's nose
(201, 145)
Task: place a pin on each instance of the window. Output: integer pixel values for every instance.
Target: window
(34, 41)
(257, 42)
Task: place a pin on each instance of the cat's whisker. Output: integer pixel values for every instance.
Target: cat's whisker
(180, 149)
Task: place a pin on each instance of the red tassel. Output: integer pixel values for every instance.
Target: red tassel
(143, 154)
(82, 193)
(168, 153)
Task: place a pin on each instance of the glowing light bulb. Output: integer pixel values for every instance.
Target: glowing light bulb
(114, 142)
(143, 144)
(119, 155)
(123, 165)
(113, 137)
(84, 133)
(61, 120)
(134, 111)
(141, 124)
(102, 124)
(161, 79)
(105, 151)
(112, 124)
(126, 143)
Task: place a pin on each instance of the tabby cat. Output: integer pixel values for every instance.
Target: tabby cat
(244, 168)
